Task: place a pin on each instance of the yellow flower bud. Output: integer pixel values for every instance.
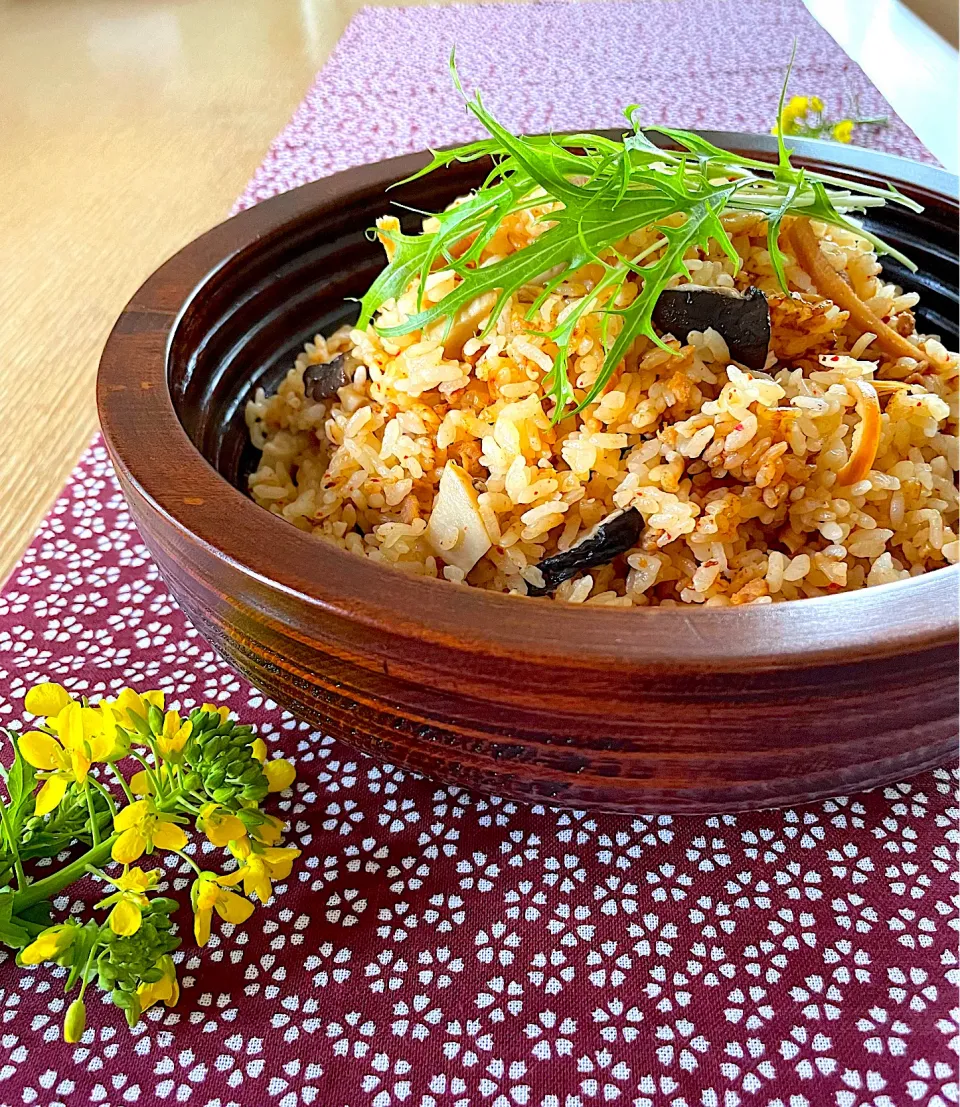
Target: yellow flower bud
(75, 1022)
(48, 945)
(173, 737)
(166, 990)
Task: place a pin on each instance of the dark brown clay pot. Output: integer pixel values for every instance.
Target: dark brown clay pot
(642, 710)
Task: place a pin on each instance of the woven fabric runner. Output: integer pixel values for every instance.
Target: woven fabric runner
(435, 947)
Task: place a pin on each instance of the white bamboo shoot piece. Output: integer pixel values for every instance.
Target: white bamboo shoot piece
(456, 532)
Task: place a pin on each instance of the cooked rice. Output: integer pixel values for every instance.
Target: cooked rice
(734, 473)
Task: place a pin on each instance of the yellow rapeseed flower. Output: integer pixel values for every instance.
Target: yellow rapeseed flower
(223, 712)
(165, 990)
(112, 729)
(174, 736)
(801, 115)
(207, 896)
(66, 758)
(46, 699)
(48, 945)
(257, 870)
(269, 832)
(280, 773)
(130, 703)
(142, 827)
(794, 111)
(220, 825)
(129, 899)
(843, 131)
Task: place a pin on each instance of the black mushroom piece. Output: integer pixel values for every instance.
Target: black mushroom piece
(743, 319)
(611, 537)
(320, 382)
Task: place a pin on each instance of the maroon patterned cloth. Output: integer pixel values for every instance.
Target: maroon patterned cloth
(434, 947)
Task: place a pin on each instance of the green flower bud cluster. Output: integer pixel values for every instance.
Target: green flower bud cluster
(125, 963)
(221, 760)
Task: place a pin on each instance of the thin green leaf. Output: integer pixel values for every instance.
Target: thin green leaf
(782, 156)
(773, 230)
(21, 779)
(12, 932)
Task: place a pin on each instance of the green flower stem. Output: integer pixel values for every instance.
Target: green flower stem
(157, 759)
(122, 781)
(11, 842)
(85, 976)
(105, 792)
(56, 882)
(34, 929)
(29, 894)
(189, 860)
(94, 825)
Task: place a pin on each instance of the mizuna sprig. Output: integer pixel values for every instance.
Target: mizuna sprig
(590, 193)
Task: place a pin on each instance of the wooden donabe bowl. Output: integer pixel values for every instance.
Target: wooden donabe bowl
(632, 710)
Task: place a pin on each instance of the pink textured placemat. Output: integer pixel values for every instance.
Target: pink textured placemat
(437, 948)
(714, 64)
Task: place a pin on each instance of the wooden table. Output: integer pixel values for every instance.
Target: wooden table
(128, 127)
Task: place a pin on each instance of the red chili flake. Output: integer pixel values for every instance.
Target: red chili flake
(738, 427)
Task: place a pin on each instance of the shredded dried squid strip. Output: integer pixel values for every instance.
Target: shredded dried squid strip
(866, 438)
(831, 285)
(388, 225)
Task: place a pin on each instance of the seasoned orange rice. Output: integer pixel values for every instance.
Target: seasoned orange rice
(733, 472)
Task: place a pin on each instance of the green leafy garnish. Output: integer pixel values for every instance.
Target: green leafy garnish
(598, 192)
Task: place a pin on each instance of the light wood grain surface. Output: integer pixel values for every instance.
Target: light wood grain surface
(128, 127)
